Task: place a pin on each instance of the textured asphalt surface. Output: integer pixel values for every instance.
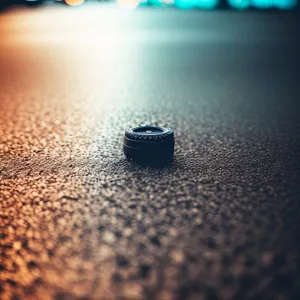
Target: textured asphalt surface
(78, 221)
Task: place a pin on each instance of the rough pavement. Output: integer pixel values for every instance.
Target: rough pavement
(78, 221)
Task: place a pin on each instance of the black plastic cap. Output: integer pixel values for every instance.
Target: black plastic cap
(149, 143)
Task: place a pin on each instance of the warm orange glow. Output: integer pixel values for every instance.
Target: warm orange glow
(74, 2)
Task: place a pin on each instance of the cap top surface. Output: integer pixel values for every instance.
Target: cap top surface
(149, 132)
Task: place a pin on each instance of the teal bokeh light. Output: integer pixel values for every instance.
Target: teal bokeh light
(285, 4)
(239, 4)
(262, 4)
(212, 4)
(185, 4)
(162, 3)
(207, 4)
(143, 3)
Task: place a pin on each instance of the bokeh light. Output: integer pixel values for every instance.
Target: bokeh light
(181, 4)
(207, 4)
(167, 2)
(239, 4)
(262, 4)
(129, 4)
(285, 4)
(74, 2)
(185, 4)
(162, 2)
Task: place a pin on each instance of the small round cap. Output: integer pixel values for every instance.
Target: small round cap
(149, 143)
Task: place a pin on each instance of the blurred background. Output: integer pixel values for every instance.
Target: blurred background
(181, 4)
